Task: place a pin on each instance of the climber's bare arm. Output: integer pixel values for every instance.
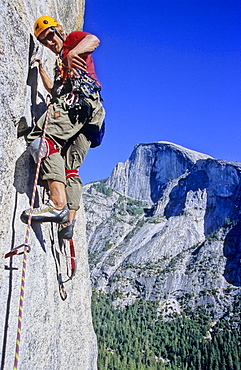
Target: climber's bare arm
(47, 82)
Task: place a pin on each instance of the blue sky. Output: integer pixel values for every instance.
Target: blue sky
(171, 71)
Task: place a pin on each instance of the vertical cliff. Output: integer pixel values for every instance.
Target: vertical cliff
(56, 334)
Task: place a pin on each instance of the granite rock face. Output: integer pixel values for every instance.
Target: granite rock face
(166, 226)
(150, 167)
(56, 334)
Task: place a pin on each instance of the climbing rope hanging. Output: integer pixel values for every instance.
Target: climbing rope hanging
(25, 244)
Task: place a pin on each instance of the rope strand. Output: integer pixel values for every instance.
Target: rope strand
(24, 265)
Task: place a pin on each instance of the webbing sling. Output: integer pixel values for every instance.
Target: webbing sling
(26, 246)
(71, 266)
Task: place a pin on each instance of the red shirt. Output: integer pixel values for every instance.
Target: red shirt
(70, 42)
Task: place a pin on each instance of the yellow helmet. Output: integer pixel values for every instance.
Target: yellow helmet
(43, 23)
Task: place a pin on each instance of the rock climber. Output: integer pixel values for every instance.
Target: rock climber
(76, 115)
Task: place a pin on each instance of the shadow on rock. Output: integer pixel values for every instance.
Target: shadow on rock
(38, 105)
(232, 251)
(223, 201)
(23, 182)
(176, 206)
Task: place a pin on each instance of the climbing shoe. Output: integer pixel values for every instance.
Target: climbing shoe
(66, 230)
(46, 213)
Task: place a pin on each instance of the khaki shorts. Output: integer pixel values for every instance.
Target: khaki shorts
(64, 128)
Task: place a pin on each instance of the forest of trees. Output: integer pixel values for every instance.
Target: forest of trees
(137, 338)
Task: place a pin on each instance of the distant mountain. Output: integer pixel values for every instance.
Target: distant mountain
(166, 226)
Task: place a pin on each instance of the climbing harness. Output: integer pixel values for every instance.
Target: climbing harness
(49, 147)
(25, 245)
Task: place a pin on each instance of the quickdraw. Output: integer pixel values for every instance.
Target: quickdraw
(71, 99)
(62, 291)
(18, 250)
(71, 270)
(71, 263)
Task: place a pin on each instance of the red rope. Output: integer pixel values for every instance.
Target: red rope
(20, 312)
